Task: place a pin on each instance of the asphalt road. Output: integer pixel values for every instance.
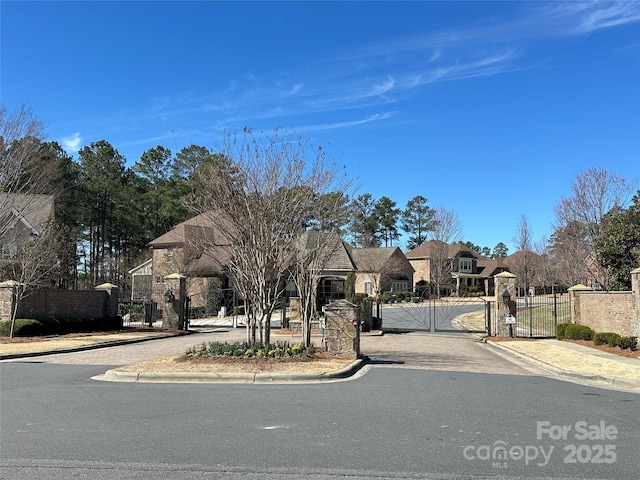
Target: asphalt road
(436, 419)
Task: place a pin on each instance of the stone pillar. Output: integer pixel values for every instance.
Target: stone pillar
(111, 307)
(342, 332)
(505, 282)
(174, 302)
(635, 290)
(574, 301)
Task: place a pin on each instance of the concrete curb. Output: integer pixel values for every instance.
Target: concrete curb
(247, 378)
(92, 346)
(613, 381)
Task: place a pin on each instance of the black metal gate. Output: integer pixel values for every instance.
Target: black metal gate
(452, 314)
(536, 316)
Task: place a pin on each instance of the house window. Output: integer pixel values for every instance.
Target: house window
(8, 251)
(291, 289)
(399, 286)
(466, 265)
(158, 279)
(169, 254)
(367, 288)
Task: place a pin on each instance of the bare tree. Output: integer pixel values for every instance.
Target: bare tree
(570, 248)
(547, 268)
(32, 265)
(262, 200)
(21, 136)
(312, 253)
(523, 262)
(595, 192)
(447, 229)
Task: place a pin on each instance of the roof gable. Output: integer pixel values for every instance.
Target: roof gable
(32, 211)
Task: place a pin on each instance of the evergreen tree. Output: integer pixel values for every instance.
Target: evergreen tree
(364, 225)
(417, 221)
(387, 218)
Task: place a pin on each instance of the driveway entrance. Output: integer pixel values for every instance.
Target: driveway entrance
(431, 315)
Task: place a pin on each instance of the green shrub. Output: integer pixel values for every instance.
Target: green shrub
(628, 342)
(612, 339)
(359, 298)
(23, 327)
(600, 338)
(51, 326)
(214, 296)
(578, 332)
(560, 330)
(247, 350)
(197, 312)
(70, 325)
(385, 297)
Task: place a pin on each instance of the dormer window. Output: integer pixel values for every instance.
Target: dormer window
(465, 265)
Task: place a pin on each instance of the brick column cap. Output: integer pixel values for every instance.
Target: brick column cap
(580, 286)
(174, 276)
(504, 275)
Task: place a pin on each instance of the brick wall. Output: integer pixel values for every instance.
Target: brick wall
(61, 304)
(607, 312)
(617, 312)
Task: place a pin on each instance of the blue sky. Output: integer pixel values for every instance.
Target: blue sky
(486, 108)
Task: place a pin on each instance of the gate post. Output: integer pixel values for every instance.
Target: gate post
(173, 310)
(505, 290)
(487, 317)
(342, 330)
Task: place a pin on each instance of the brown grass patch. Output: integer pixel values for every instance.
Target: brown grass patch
(318, 363)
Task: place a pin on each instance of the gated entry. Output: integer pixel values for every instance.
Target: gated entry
(536, 316)
(454, 315)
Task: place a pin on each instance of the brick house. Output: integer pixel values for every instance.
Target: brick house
(22, 217)
(382, 269)
(173, 252)
(457, 268)
(176, 252)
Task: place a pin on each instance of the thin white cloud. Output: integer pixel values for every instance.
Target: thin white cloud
(72, 142)
(332, 126)
(587, 17)
(376, 76)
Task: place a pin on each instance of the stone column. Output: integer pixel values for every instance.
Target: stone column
(342, 332)
(7, 298)
(574, 301)
(111, 307)
(635, 290)
(505, 282)
(174, 301)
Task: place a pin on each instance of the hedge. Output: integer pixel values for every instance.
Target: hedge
(55, 326)
(578, 332)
